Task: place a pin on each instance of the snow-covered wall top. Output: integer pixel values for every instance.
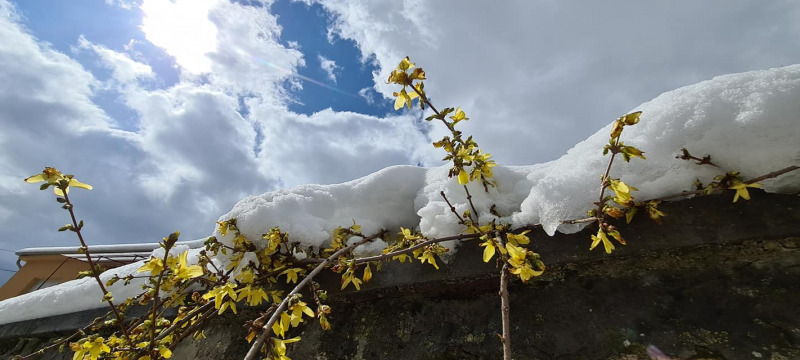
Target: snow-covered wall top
(747, 122)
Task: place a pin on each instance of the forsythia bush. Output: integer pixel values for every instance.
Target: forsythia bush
(202, 291)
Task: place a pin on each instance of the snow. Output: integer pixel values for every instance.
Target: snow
(747, 122)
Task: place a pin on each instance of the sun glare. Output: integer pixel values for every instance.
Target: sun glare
(183, 30)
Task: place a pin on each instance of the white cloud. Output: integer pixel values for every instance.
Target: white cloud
(367, 94)
(188, 158)
(182, 28)
(125, 4)
(536, 77)
(191, 152)
(330, 147)
(124, 69)
(329, 66)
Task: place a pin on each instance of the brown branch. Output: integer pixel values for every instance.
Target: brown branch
(180, 322)
(505, 307)
(427, 102)
(581, 221)
(165, 305)
(256, 347)
(417, 246)
(604, 181)
(95, 270)
(40, 352)
(505, 310)
(453, 209)
(706, 160)
(773, 174)
(469, 198)
(156, 289)
(770, 175)
(766, 176)
(192, 328)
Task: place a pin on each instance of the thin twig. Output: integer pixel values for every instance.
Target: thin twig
(386, 256)
(256, 347)
(80, 332)
(415, 247)
(706, 160)
(182, 321)
(773, 174)
(505, 307)
(453, 209)
(192, 328)
(95, 270)
(766, 176)
(427, 102)
(156, 289)
(698, 192)
(505, 311)
(581, 221)
(604, 182)
(469, 198)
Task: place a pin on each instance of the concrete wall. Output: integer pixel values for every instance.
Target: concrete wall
(716, 281)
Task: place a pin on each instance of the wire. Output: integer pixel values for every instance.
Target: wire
(8, 270)
(52, 273)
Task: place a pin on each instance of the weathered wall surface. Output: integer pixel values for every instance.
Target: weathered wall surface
(716, 281)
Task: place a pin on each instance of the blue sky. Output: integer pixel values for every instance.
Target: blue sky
(176, 110)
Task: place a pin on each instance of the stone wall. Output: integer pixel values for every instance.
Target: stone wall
(716, 280)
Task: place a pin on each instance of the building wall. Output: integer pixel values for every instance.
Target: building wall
(44, 270)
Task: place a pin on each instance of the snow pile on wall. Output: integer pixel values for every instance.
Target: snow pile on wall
(748, 122)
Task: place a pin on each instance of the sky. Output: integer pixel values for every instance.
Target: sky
(176, 110)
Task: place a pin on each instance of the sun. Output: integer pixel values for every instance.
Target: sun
(182, 28)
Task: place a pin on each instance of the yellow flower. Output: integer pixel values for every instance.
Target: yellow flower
(427, 256)
(298, 310)
(463, 177)
(155, 266)
(278, 351)
(601, 236)
(184, 271)
(417, 74)
(280, 326)
(323, 322)
(458, 116)
(291, 274)
(407, 234)
(350, 277)
(623, 192)
(519, 239)
(741, 190)
(405, 64)
(404, 99)
(367, 274)
(520, 265)
(489, 251)
(631, 119)
(53, 177)
(653, 212)
(254, 296)
(526, 272)
(95, 348)
(517, 254)
(219, 294)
